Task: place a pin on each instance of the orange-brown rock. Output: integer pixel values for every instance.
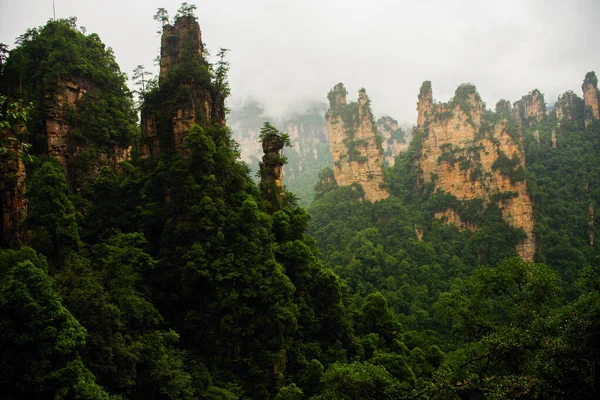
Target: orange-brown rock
(60, 140)
(394, 139)
(460, 148)
(567, 106)
(181, 52)
(450, 216)
(13, 202)
(531, 108)
(178, 41)
(590, 98)
(355, 146)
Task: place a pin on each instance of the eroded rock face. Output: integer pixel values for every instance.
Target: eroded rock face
(162, 124)
(62, 144)
(531, 108)
(394, 139)
(466, 155)
(271, 168)
(13, 202)
(590, 98)
(180, 40)
(355, 147)
(568, 106)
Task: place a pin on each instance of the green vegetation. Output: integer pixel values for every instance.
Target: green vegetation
(174, 277)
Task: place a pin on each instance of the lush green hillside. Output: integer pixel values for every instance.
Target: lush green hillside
(172, 276)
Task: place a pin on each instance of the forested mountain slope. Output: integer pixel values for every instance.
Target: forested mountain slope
(145, 263)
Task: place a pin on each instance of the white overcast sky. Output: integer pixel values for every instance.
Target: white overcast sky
(286, 53)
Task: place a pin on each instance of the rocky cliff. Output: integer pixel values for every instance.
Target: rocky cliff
(590, 98)
(530, 109)
(13, 202)
(356, 147)
(185, 96)
(470, 154)
(271, 170)
(394, 139)
(67, 146)
(568, 106)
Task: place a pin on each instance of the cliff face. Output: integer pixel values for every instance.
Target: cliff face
(186, 95)
(64, 145)
(13, 203)
(531, 108)
(590, 98)
(394, 139)
(568, 106)
(271, 169)
(355, 147)
(465, 154)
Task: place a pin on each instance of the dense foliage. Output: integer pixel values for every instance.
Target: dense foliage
(174, 277)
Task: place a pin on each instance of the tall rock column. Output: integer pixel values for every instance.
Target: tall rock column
(356, 148)
(186, 94)
(590, 98)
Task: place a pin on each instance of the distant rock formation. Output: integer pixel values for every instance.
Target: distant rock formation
(470, 157)
(590, 98)
(394, 139)
(356, 147)
(568, 106)
(186, 95)
(13, 202)
(531, 108)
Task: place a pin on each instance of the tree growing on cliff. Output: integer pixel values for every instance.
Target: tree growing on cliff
(186, 10)
(162, 16)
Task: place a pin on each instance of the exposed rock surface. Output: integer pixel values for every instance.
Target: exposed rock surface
(568, 106)
(590, 98)
(394, 139)
(462, 153)
(271, 168)
(13, 202)
(355, 146)
(531, 108)
(61, 142)
(196, 102)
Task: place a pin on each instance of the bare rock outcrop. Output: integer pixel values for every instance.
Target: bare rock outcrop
(65, 145)
(356, 148)
(185, 96)
(590, 98)
(568, 106)
(531, 108)
(469, 156)
(13, 202)
(394, 139)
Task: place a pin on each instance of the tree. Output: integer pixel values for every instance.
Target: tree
(41, 340)
(221, 83)
(162, 16)
(186, 10)
(140, 78)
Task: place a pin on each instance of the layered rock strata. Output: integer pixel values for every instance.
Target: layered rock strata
(356, 148)
(468, 156)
